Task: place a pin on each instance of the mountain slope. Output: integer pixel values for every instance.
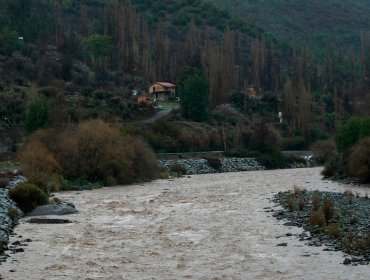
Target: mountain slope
(315, 21)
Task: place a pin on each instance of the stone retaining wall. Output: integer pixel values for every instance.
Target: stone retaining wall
(202, 166)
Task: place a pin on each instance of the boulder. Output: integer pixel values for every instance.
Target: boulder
(63, 208)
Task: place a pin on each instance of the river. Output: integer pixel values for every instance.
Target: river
(200, 227)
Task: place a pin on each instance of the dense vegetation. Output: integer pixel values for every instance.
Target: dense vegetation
(312, 22)
(63, 62)
(353, 157)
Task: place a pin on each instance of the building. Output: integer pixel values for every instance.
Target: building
(162, 91)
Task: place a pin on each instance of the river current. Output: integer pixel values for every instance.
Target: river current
(210, 227)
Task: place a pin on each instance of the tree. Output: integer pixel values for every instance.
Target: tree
(98, 46)
(37, 116)
(194, 96)
(9, 41)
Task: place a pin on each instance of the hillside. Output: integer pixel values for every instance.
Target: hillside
(315, 22)
(81, 59)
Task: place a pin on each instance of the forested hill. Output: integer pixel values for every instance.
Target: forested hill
(91, 54)
(316, 22)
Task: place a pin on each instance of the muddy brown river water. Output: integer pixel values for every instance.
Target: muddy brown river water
(203, 227)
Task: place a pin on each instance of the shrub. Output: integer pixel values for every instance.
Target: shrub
(354, 130)
(37, 116)
(323, 150)
(294, 144)
(333, 230)
(317, 218)
(298, 191)
(38, 163)
(332, 166)
(214, 162)
(3, 182)
(290, 202)
(328, 210)
(272, 158)
(315, 202)
(301, 204)
(359, 161)
(28, 196)
(14, 214)
(178, 169)
(93, 151)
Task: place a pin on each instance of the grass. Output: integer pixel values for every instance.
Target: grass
(168, 105)
(290, 202)
(333, 230)
(328, 210)
(317, 218)
(315, 202)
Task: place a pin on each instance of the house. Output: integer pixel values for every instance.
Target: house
(162, 91)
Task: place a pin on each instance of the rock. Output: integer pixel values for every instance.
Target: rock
(347, 261)
(54, 209)
(48, 221)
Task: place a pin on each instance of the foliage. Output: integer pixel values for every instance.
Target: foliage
(317, 218)
(14, 214)
(28, 196)
(38, 162)
(93, 151)
(359, 160)
(97, 45)
(194, 96)
(323, 150)
(37, 115)
(265, 137)
(352, 131)
(294, 144)
(333, 166)
(214, 162)
(9, 41)
(178, 169)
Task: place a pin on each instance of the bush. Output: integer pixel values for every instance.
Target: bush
(351, 132)
(214, 162)
(317, 218)
(328, 210)
(38, 164)
(323, 150)
(3, 182)
(93, 151)
(332, 166)
(272, 158)
(37, 116)
(294, 144)
(359, 161)
(14, 214)
(333, 230)
(178, 169)
(28, 196)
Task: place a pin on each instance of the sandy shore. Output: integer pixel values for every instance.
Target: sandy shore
(202, 227)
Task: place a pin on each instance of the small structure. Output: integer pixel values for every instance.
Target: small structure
(162, 91)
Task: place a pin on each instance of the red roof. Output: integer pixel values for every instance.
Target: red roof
(165, 84)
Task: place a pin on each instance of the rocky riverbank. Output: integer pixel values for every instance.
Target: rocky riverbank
(8, 209)
(339, 221)
(214, 165)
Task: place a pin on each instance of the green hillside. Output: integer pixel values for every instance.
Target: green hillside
(314, 21)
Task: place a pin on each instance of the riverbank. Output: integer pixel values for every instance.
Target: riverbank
(211, 226)
(6, 206)
(340, 221)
